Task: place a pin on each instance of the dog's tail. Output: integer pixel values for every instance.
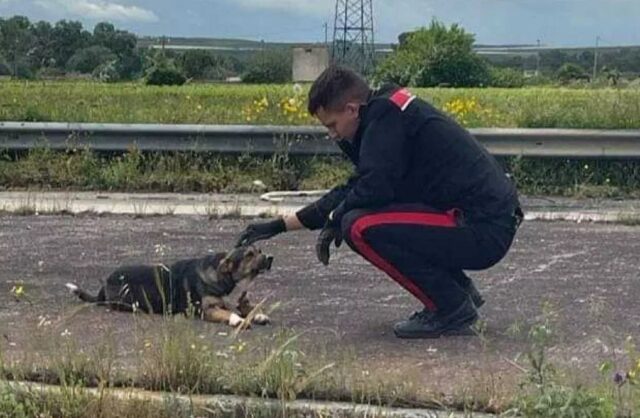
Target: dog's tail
(84, 296)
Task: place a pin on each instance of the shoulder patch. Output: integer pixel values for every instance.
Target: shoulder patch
(402, 98)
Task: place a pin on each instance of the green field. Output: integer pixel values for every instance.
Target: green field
(282, 104)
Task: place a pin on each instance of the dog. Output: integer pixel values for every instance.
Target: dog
(201, 286)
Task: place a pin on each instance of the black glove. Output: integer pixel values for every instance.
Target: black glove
(259, 231)
(330, 233)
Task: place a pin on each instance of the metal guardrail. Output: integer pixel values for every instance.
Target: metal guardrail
(298, 140)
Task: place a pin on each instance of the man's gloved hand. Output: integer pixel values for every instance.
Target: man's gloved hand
(261, 230)
(330, 233)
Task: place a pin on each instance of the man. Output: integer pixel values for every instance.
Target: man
(426, 202)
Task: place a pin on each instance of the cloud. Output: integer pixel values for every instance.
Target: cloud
(308, 7)
(100, 10)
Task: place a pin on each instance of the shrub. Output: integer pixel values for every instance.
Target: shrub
(435, 56)
(269, 67)
(571, 72)
(88, 59)
(165, 77)
(506, 77)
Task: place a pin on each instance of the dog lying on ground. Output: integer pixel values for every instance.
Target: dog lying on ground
(198, 285)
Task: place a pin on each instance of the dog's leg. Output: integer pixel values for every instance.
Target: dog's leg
(245, 308)
(220, 315)
(84, 296)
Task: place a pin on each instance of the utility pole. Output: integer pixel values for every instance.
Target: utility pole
(326, 34)
(595, 60)
(538, 59)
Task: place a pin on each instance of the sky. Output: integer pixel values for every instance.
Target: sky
(552, 22)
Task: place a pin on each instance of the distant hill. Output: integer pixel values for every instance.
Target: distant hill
(224, 43)
(522, 56)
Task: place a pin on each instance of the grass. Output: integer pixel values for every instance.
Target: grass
(79, 169)
(177, 359)
(177, 172)
(44, 169)
(548, 107)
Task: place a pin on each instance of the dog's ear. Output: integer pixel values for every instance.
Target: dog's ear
(226, 265)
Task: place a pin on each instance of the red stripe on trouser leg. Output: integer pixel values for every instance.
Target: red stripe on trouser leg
(419, 218)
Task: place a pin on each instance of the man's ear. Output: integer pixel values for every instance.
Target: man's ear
(353, 108)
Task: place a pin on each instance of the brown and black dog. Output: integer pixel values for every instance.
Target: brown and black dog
(198, 285)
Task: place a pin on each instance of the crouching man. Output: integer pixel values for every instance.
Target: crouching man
(426, 202)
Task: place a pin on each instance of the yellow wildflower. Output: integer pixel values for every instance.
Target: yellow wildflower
(17, 290)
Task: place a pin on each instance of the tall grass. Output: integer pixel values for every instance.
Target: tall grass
(281, 104)
(178, 359)
(186, 172)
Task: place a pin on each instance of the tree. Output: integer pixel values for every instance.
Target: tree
(67, 38)
(16, 42)
(201, 64)
(4, 67)
(88, 59)
(120, 42)
(434, 56)
(42, 52)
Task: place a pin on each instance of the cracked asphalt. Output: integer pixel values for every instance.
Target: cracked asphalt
(586, 273)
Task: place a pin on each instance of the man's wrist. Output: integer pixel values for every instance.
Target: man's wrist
(292, 223)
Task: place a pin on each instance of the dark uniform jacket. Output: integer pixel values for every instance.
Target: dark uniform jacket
(407, 151)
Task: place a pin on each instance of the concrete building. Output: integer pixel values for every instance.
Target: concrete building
(309, 62)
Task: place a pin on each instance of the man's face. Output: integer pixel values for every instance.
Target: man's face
(342, 124)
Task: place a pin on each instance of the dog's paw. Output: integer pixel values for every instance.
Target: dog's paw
(72, 287)
(235, 320)
(261, 319)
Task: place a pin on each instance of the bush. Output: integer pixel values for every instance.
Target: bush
(88, 59)
(435, 56)
(128, 67)
(571, 72)
(165, 77)
(269, 67)
(24, 70)
(4, 67)
(107, 72)
(200, 64)
(506, 77)
(163, 72)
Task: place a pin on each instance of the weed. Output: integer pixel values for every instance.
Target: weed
(543, 395)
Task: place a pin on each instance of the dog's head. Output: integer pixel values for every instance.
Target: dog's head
(245, 263)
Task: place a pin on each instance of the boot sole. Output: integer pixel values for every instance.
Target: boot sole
(462, 329)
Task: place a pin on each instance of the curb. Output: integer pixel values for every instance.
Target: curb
(592, 216)
(239, 206)
(230, 404)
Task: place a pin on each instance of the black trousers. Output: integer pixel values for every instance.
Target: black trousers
(426, 251)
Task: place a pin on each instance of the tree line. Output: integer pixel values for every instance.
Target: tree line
(434, 55)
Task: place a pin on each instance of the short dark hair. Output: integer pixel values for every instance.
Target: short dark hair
(336, 86)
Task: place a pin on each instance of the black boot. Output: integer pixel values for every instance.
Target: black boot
(466, 283)
(426, 324)
(474, 294)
